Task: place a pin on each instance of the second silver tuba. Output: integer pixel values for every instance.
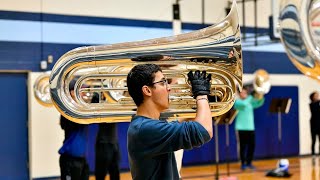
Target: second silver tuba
(216, 49)
(41, 90)
(300, 39)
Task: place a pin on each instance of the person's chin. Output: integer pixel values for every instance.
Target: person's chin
(166, 106)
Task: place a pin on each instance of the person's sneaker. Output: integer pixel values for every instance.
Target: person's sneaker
(252, 167)
(243, 167)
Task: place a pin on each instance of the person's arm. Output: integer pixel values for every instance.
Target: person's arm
(203, 115)
(159, 137)
(256, 103)
(201, 89)
(180, 120)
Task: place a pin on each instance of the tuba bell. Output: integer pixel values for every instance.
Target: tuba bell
(41, 90)
(301, 41)
(216, 49)
(261, 83)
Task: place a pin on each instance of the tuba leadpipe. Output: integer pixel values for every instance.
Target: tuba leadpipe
(301, 42)
(216, 49)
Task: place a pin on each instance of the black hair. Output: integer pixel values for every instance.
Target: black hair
(140, 75)
(247, 87)
(312, 95)
(95, 98)
(73, 83)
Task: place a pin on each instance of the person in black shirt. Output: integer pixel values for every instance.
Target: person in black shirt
(107, 149)
(315, 119)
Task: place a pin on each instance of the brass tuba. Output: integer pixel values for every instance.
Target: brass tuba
(261, 82)
(216, 49)
(301, 41)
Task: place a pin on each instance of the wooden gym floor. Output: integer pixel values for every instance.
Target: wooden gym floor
(301, 168)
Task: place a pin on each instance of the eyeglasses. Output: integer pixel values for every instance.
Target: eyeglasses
(164, 81)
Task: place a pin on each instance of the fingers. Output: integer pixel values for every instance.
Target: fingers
(203, 75)
(200, 83)
(198, 75)
(190, 75)
(209, 77)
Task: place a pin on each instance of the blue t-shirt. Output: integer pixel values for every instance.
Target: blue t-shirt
(151, 146)
(74, 143)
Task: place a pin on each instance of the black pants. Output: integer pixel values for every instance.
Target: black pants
(73, 168)
(107, 161)
(247, 146)
(314, 134)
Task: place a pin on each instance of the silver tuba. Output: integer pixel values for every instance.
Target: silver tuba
(41, 90)
(216, 49)
(300, 39)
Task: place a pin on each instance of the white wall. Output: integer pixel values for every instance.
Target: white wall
(263, 11)
(45, 136)
(191, 10)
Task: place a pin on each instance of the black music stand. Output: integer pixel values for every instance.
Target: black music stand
(225, 119)
(279, 106)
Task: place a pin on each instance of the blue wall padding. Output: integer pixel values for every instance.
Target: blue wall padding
(14, 153)
(273, 62)
(27, 56)
(267, 144)
(27, 16)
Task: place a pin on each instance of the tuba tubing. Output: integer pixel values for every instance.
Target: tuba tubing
(216, 49)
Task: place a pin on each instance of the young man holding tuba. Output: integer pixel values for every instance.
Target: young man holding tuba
(152, 142)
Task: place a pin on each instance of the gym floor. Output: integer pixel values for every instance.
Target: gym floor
(300, 168)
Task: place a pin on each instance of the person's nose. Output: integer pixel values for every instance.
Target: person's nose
(168, 87)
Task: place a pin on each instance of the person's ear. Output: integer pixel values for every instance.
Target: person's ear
(72, 93)
(146, 90)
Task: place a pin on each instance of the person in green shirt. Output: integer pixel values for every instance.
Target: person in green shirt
(245, 105)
